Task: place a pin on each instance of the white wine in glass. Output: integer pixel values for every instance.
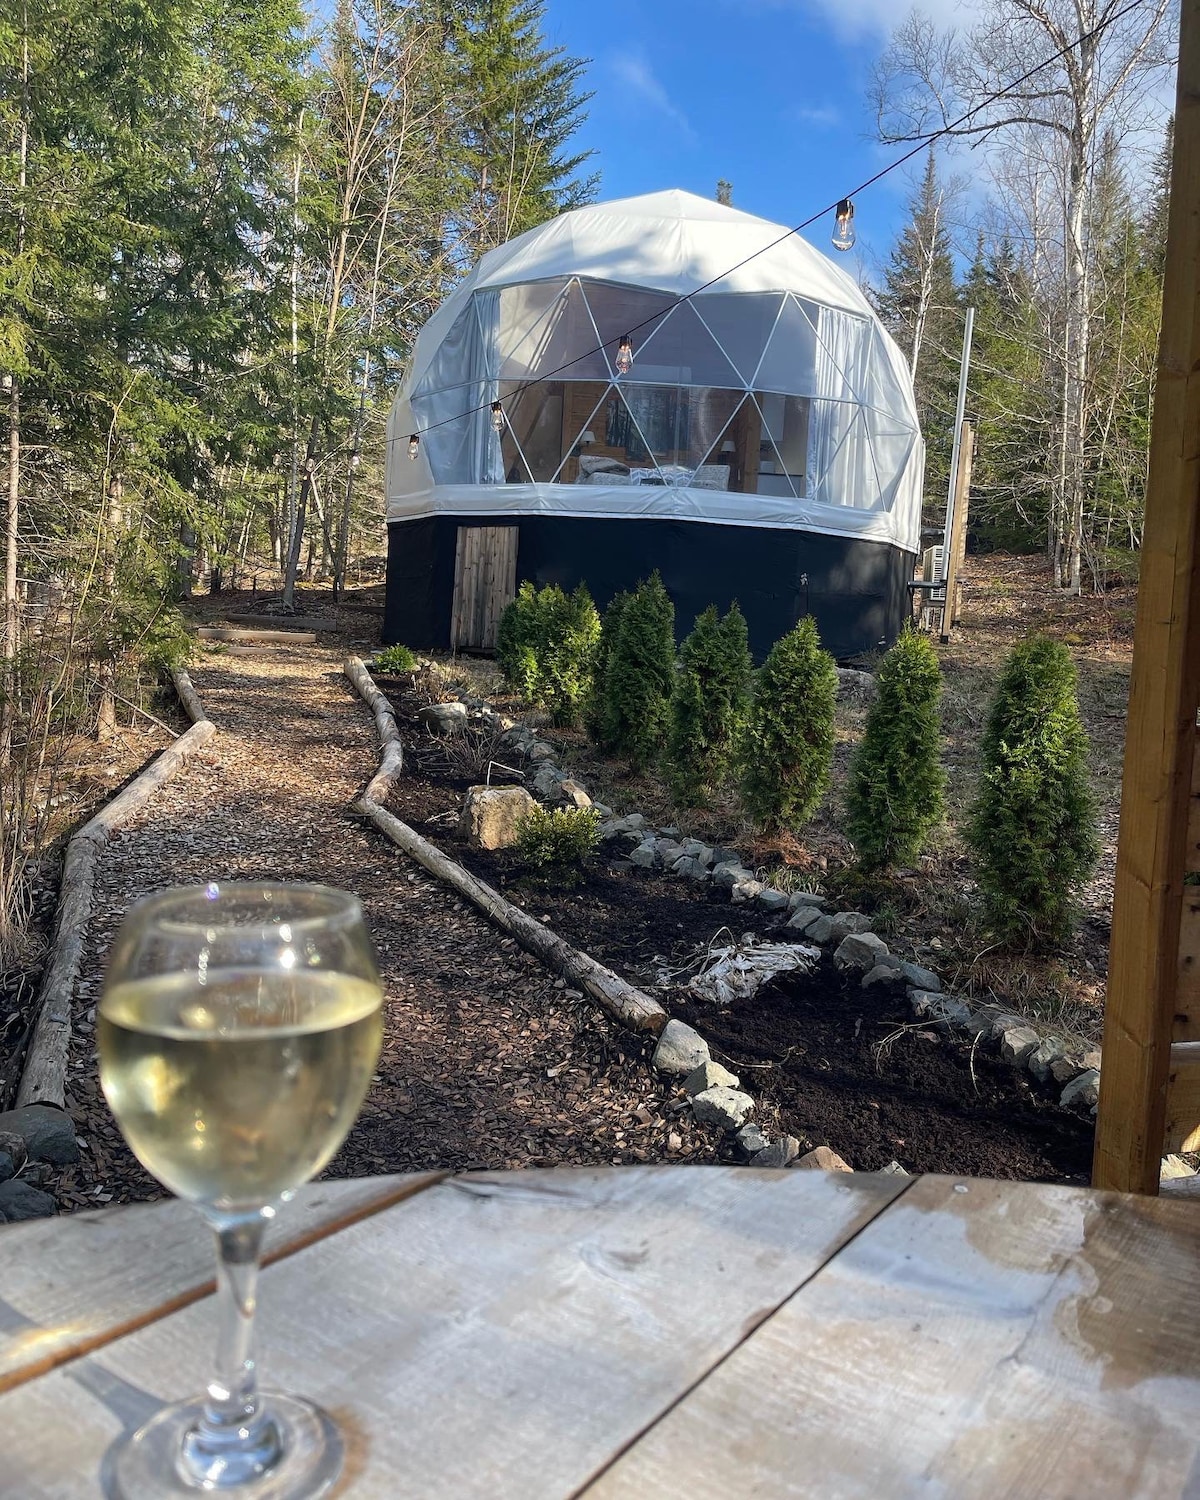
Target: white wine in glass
(238, 1032)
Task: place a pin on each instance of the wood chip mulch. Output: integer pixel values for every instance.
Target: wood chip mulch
(488, 1059)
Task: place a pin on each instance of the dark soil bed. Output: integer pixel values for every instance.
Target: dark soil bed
(833, 1061)
(820, 1054)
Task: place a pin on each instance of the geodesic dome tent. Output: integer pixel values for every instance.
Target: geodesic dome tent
(762, 445)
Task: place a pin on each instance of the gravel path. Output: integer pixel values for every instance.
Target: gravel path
(488, 1060)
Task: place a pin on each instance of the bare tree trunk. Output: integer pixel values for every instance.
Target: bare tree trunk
(297, 536)
(106, 712)
(12, 517)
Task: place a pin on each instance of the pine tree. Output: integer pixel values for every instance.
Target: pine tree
(894, 797)
(518, 104)
(1033, 824)
(920, 307)
(639, 675)
(709, 703)
(597, 708)
(787, 750)
(1158, 203)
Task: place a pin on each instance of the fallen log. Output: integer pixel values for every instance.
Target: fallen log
(43, 1078)
(261, 637)
(615, 995)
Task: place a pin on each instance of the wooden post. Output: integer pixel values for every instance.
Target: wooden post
(956, 536)
(1164, 690)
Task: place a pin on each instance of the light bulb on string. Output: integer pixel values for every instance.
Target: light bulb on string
(624, 360)
(843, 234)
(497, 416)
(414, 445)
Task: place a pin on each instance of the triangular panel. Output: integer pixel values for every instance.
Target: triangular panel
(741, 326)
(525, 329)
(789, 361)
(681, 351)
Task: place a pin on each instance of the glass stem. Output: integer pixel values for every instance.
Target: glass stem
(234, 1433)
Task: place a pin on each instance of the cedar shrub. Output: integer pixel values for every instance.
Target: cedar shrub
(787, 749)
(639, 674)
(1033, 824)
(894, 797)
(709, 703)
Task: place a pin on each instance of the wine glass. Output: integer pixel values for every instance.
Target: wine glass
(238, 1032)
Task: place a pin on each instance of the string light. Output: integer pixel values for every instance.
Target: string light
(497, 416)
(843, 237)
(843, 234)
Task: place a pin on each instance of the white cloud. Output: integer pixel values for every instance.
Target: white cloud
(866, 20)
(635, 75)
(818, 116)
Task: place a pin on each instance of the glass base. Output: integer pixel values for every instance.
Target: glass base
(300, 1459)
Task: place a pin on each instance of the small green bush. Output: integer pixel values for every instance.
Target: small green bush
(709, 703)
(546, 646)
(640, 673)
(561, 839)
(894, 797)
(396, 659)
(1033, 823)
(787, 749)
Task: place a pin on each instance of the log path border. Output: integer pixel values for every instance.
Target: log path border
(621, 1000)
(43, 1076)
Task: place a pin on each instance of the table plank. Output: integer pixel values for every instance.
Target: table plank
(498, 1335)
(1006, 1340)
(70, 1284)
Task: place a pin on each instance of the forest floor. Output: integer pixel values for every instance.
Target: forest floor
(491, 1062)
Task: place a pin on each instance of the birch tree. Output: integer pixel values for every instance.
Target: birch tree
(1098, 65)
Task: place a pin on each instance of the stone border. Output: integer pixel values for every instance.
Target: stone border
(43, 1077)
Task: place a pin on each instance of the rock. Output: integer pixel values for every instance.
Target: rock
(746, 890)
(19, 1201)
(668, 851)
(778, 1153)
(726, 857)
(860, 950)
(822, 1159)
(884, 972)
(803, 919)
(751, 1139)
(709, 1075)
(491, 813)
(672, 833)
(1174, 1167)
(728, 873)
(806, 898)
(691, 869)
(982, 1020)
(13, 1145)
(574, 795)
(539, 750)
(1083, 1090)
(7, 1166)
(839, 925)
(694, 849)
(772, 900)
(1006, 1021)
(942, 1010)
(605, 812)
(547, 781)
(727, 1108)
(680, 1050)
(893, 1169)
(853, 684)
(919, 978)
(1043, 1057)
(443, 718)
(1017, 1043)
(1063, 1069)
(631, 823)
(1092, 1059)
(645, 856)
(48, 1133)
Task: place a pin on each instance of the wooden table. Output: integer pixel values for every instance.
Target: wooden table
(633, 1333)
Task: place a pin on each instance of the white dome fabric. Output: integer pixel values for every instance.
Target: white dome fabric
(772, 397)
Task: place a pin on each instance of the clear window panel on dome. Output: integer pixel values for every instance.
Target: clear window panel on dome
(532, 440)
(617, 310)
(525, 331)
(789, 361)
(741, 325)
(681, 351)
(783, 446)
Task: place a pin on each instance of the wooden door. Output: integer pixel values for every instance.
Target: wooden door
(485, 580)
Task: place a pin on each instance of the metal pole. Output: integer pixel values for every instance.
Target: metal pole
(964, 369)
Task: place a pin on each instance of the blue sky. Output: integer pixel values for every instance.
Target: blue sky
(771, 94)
